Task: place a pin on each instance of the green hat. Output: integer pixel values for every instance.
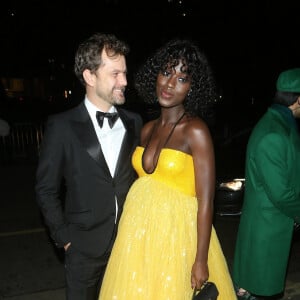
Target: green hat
(289, 81)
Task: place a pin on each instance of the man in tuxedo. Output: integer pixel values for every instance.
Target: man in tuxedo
(88, 150)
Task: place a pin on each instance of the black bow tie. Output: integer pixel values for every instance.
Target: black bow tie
(111, 118)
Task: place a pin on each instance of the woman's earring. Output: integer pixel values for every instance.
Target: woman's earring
(189, 93)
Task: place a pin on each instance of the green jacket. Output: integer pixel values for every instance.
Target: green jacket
(271, 203)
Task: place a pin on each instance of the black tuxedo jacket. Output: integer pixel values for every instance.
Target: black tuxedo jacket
(70, 154)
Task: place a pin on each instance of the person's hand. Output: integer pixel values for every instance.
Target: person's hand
(67, 246)
(199, 275)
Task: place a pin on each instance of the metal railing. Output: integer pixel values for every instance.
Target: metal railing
(22, 143)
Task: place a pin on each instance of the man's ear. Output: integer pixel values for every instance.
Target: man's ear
(89, 77)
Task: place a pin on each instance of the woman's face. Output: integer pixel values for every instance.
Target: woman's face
(173, 85)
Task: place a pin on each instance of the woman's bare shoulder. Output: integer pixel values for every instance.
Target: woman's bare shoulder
(195, 124)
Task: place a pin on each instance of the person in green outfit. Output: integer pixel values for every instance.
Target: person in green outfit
(272, 196)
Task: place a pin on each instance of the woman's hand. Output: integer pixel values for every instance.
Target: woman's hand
(199, 275)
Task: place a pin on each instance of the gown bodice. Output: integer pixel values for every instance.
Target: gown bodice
(174, 168)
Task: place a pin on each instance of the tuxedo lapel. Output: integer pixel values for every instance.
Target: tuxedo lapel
(85, 132)
(127, 143)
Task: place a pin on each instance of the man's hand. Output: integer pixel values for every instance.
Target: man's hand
(67, 246)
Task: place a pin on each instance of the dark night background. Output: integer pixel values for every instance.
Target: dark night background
(247, 42)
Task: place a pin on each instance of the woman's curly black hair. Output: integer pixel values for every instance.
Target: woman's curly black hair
(202, 94)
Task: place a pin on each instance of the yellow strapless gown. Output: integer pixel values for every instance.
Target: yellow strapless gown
(155, 247)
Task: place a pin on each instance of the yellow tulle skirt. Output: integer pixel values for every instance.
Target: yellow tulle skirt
(155, 248)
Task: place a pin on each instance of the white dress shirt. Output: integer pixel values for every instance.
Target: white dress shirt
(110, 139)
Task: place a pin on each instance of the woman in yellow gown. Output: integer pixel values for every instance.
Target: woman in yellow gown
(166, 244)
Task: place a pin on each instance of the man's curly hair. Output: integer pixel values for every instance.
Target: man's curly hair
(202, 94)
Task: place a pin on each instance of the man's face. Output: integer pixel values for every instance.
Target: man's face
(295, 108)
(110, 81)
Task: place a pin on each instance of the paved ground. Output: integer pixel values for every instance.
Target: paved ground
(32, 269)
